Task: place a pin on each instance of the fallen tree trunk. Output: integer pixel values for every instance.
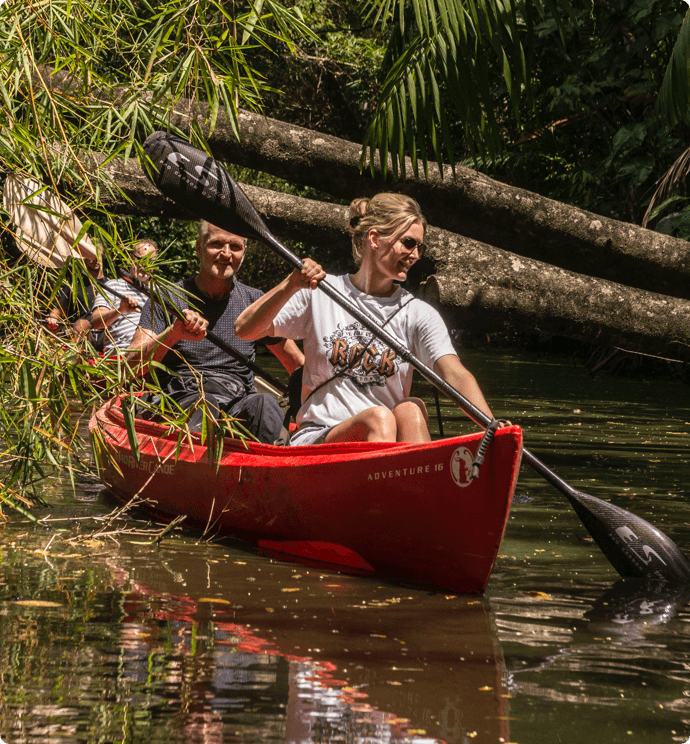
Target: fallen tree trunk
(292, 218)
(464, 202)
(471, 204)
(480, 287)
(484, 289)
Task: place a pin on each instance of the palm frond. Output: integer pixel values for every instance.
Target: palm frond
(673, 102)
(670, 183)
(449, 49)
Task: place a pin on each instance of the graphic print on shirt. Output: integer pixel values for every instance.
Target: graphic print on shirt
(368, 361)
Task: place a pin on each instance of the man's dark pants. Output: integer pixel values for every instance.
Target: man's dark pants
(259, 412)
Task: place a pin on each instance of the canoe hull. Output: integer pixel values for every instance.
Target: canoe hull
(403, 511)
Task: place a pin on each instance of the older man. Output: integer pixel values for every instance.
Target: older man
(199, 367)
(119, 317)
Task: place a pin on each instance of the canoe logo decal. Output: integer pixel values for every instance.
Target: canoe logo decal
(461, 466)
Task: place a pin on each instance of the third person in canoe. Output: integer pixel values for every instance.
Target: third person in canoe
(354, 387)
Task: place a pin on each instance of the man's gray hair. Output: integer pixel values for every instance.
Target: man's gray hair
(204, 230)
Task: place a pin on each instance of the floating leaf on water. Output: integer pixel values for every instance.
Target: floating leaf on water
(36, 603)
(538, 595)
(91, 543)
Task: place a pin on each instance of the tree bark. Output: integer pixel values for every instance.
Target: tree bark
(290, 217)
(464, 202)
(484, 289)
(480, 288)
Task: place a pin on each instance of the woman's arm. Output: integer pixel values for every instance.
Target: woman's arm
(288, 353)
(257, 320)
(450, 368)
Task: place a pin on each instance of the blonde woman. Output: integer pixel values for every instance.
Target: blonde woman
(354, 387)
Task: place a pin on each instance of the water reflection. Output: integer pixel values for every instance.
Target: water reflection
(200, 646)
(592, 652)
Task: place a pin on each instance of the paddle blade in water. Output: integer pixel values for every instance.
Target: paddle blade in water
(634, 547)
(189, 176)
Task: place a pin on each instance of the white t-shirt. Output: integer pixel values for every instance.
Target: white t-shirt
(119, 334)
(333, 340)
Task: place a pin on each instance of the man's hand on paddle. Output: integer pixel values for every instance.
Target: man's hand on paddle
(128, 304)
(53, 321)
(310, 275)
(192, 328)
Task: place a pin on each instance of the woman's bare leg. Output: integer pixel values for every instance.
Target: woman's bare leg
(376, 424)
(412, 421)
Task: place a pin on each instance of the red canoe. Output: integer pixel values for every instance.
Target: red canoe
(407, 512)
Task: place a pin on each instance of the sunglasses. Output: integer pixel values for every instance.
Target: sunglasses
(409, 244)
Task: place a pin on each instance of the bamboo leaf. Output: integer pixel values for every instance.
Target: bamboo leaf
(126, 407)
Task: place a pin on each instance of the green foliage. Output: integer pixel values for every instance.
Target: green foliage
(673, 104)
(673, 217)
(438, 71)
(127, 63)
(592, 138)
(556, 97)
(330, 84)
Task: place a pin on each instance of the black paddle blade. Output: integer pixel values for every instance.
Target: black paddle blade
(634, 547)
(632, 606)
(191, 178)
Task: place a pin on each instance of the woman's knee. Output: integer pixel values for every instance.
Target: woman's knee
(412, 408)
(380, 419)
(376, 424)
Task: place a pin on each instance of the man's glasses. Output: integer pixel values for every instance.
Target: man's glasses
(409, 244)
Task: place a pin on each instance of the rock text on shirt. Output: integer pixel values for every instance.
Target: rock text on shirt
(366, 359)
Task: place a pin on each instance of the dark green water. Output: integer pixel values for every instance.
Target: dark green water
(111, 640)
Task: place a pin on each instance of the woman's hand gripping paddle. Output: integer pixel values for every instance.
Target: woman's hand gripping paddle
(190, 177)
